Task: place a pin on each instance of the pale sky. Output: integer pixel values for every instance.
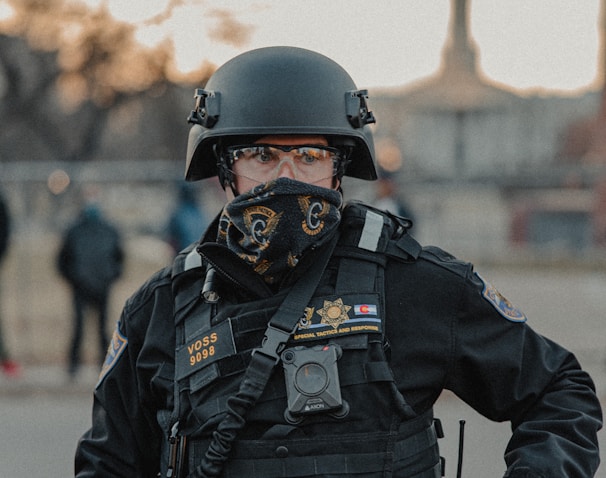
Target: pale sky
(526, 44)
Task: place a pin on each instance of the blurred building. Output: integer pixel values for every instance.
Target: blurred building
(458, 124)
(459, 128)
(482, 166)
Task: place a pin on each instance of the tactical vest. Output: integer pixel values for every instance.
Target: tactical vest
(308, 422)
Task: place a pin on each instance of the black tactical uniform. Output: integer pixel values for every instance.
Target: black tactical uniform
(452, 330)
(188, 390)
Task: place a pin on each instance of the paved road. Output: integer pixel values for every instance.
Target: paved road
(41, 418)
(39, 435)
(40, 431)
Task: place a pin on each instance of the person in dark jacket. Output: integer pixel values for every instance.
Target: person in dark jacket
(387, 196)
(91, 260)
(302, 337)
(187, 221)
(9, 367)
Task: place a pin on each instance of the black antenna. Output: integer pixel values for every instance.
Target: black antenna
(461, 438)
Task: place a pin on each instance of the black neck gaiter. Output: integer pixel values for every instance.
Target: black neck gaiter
(273, 224)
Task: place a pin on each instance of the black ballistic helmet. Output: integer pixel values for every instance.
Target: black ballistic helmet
(280, 90)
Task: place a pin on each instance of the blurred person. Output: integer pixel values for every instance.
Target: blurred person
(599, 212)
(90, 259)
(387, 196)
(9, 367)
(187, 221)
(304, 337)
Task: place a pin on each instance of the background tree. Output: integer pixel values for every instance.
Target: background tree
(75, 84)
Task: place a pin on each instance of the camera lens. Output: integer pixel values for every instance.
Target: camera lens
(311, 379)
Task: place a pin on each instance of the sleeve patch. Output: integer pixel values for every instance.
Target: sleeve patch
(117, 346)
(500, 303)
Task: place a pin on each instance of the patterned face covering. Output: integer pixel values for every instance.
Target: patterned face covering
(272, 225)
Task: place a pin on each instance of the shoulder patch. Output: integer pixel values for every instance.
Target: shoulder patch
(117, 346)
(500, 303)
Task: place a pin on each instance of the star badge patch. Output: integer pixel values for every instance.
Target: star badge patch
(334, 313)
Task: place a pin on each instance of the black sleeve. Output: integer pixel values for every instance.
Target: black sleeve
(508, 372)
(121, 442)
(125, 438)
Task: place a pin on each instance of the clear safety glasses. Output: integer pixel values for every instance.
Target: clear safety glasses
(263, 161)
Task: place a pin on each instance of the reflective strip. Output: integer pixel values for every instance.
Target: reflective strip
(371, 233)
(192, 260)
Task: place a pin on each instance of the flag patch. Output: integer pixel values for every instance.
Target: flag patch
(365, 309)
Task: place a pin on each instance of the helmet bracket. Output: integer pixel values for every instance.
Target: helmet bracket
(207, 109)
(357, 110)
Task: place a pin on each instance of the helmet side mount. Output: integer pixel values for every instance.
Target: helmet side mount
(207, 109)
(357, 109)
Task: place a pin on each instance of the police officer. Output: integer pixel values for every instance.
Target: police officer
(303, 337)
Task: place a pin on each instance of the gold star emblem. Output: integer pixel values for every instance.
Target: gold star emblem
(334, 313)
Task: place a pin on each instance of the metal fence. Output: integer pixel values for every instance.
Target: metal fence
(470, 220)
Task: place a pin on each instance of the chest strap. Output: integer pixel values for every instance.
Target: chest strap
(263, 360)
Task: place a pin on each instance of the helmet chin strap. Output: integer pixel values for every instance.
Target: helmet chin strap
(225, 174)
